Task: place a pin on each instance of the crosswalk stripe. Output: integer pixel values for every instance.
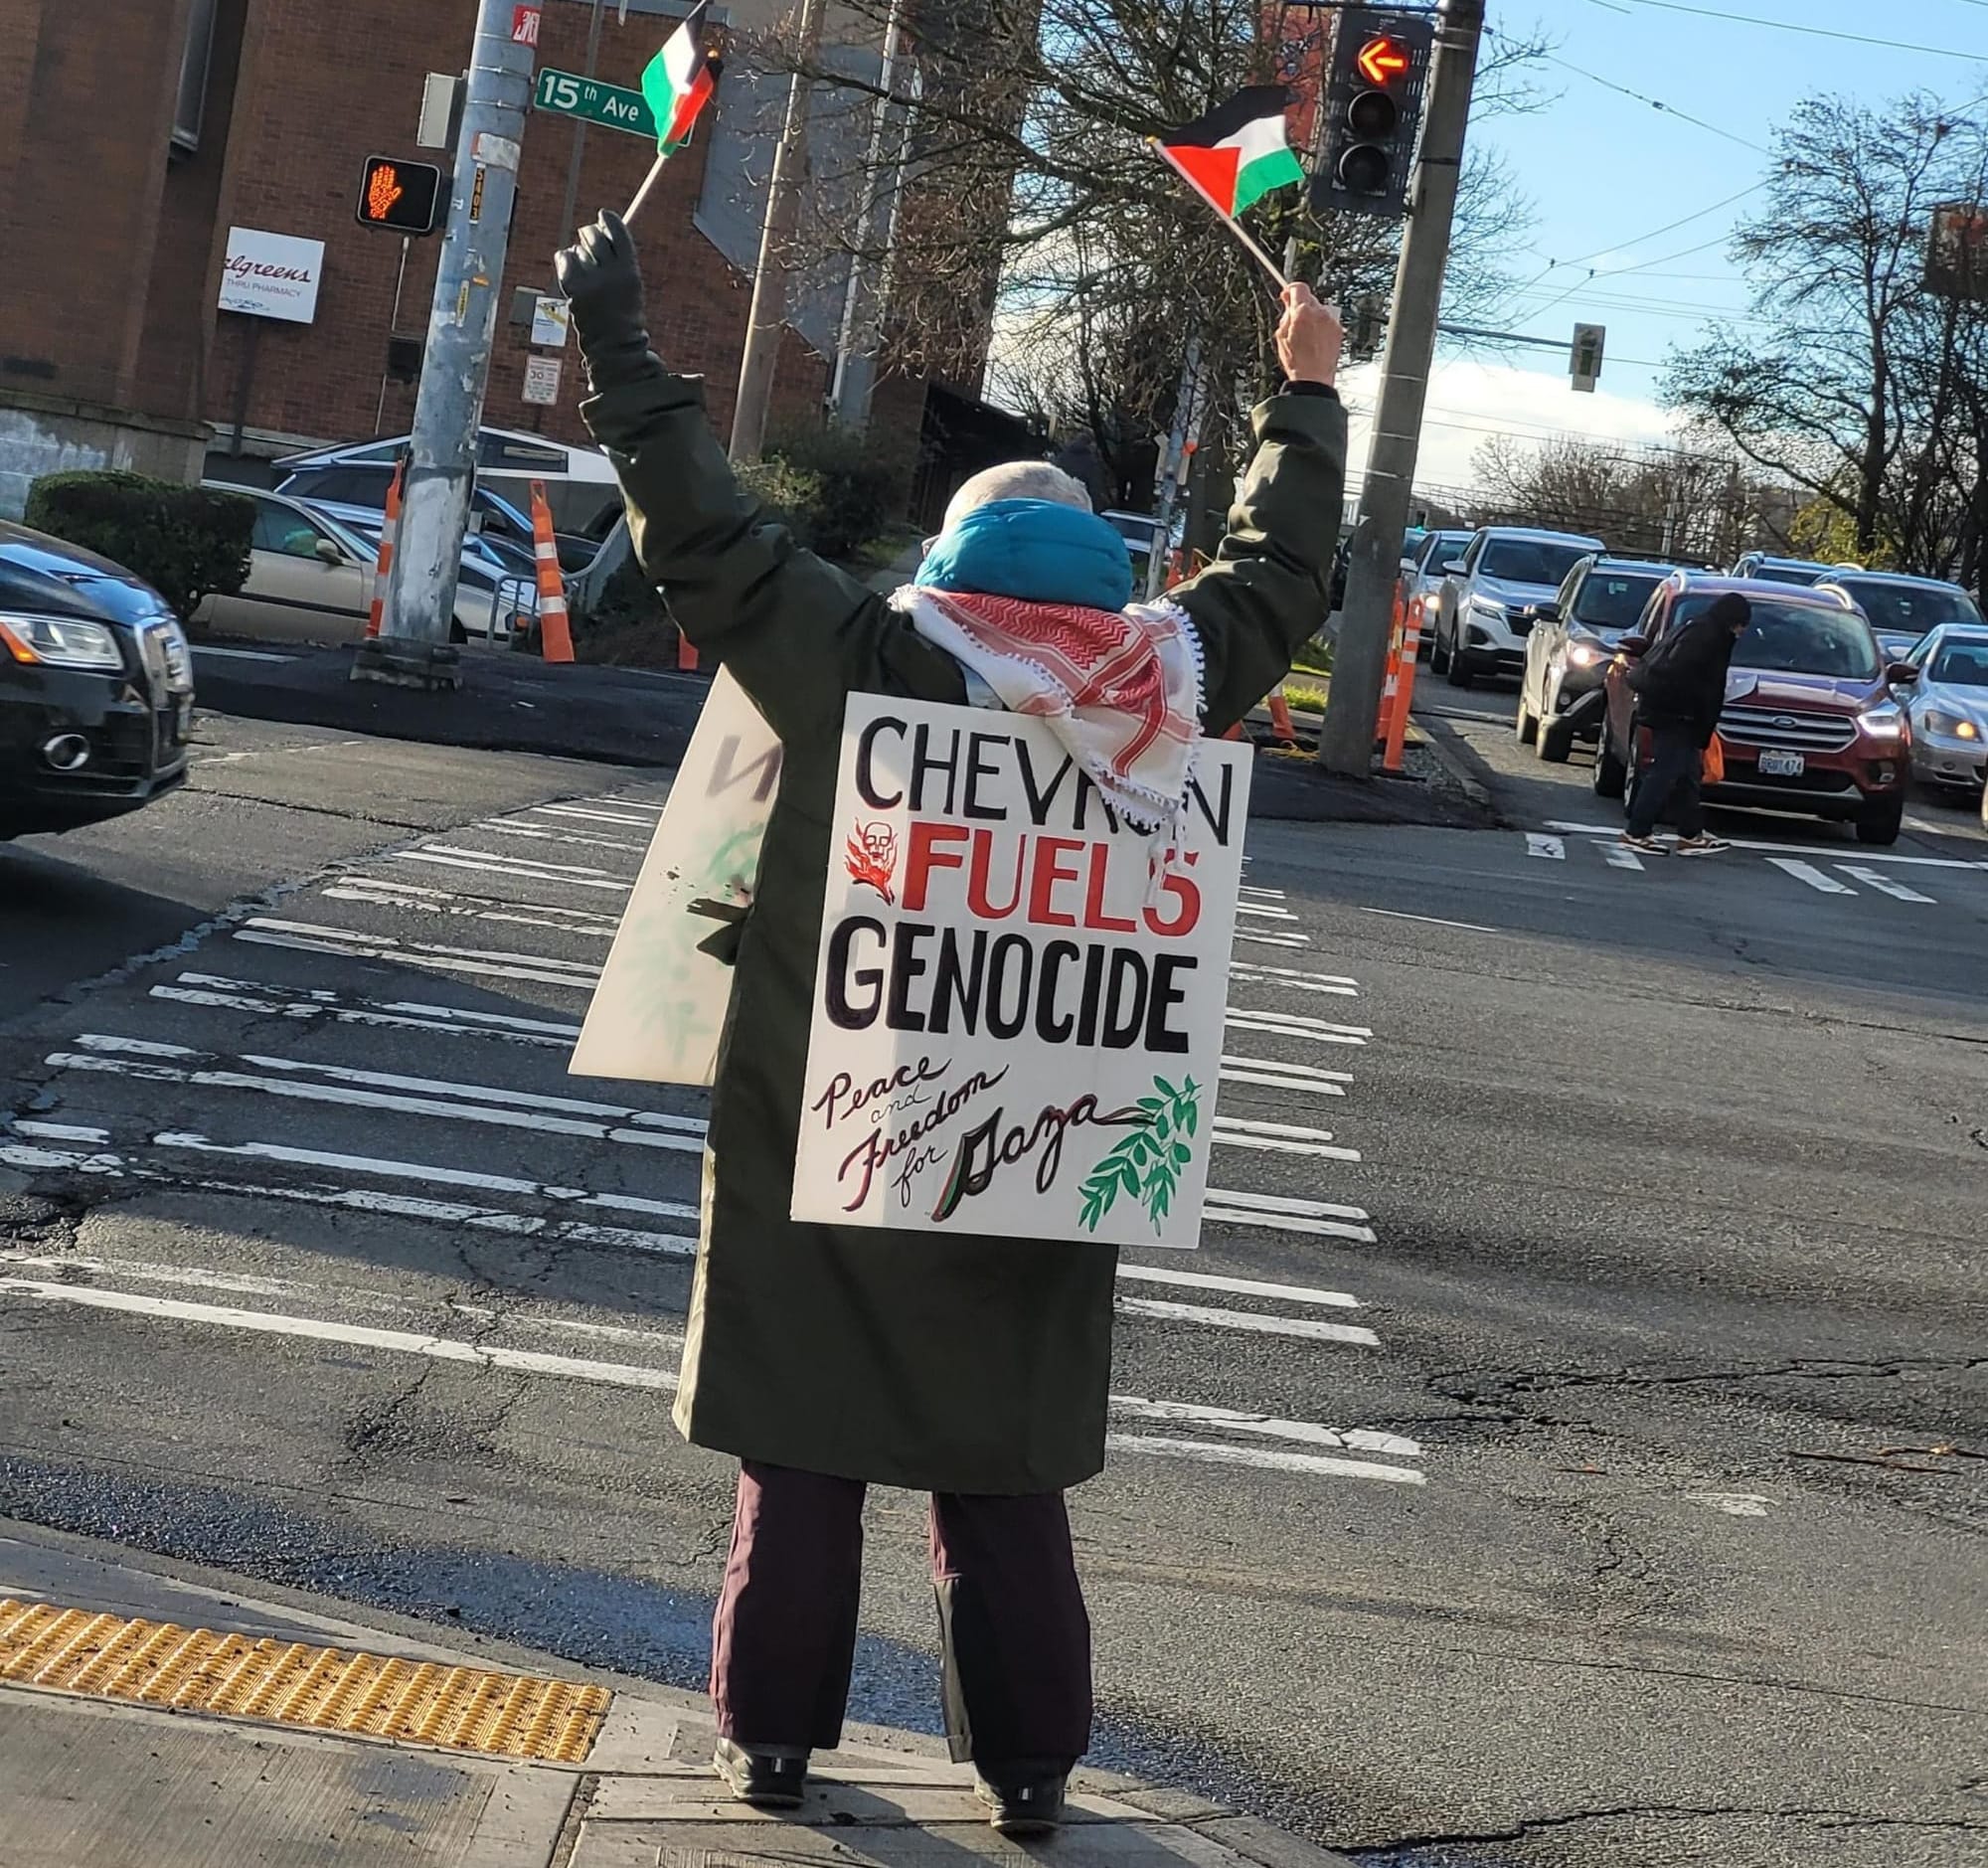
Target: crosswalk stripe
(1361, 1439)
(1274, 939)
(1294, 979)
(1213, 1452)
(1617, 857)
(1884, 883)
(1808, 873)
(1308, 1329)
(1553, 848)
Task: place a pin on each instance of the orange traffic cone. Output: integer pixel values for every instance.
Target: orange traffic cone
(390, 529)
(554, 639)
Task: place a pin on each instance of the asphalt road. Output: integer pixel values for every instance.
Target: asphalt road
(1569, 1453)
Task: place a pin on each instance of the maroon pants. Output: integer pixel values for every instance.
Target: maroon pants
(1016, 1635)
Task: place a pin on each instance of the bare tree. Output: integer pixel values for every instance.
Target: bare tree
(1847, 380)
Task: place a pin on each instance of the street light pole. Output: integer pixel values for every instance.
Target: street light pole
(770, 284)
(413, 648)
(1373, 566)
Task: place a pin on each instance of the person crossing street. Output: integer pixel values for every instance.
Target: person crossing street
(1680, 688)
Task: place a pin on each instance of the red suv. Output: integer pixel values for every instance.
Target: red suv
(1810, 722)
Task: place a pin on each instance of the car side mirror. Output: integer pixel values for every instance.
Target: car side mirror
(1455, 569)
(1902, 674)
(1633, 645)
(1542, 613)
(327, 553)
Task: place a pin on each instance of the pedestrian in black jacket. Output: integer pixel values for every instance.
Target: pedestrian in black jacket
(1680, 688)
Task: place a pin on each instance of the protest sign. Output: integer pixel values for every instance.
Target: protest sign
(1018, 1001)
(660, 1007)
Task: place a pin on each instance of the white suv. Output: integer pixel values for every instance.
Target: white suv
(1484, 608)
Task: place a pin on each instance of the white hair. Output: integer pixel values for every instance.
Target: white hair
(1016, 479)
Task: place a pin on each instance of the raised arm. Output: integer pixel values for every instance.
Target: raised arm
(1266, 592)
(797, 633)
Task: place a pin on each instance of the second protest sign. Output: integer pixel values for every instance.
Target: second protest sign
(1019, 1000)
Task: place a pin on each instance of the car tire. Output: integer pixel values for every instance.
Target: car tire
(1554, 740)
(1438, 654)
(1880, 824)
(1611, 776)
(1458, 670)
(457, 633)
(1528, 723)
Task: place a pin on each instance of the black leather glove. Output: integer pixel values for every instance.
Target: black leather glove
(602, 283)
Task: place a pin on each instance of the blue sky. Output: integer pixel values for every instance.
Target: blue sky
(1606, 172)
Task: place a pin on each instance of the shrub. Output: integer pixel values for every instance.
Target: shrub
(188, 542)
(837, 490)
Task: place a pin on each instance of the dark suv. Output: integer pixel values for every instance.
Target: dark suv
(1573, 641)
(96, 688)
(1810, 722)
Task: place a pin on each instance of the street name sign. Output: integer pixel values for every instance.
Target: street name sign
(567, 94)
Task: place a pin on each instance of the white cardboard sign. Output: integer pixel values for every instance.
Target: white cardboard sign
(1018, 1013)
(660, 1007)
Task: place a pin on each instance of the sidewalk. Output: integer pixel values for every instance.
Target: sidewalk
(555, 1767)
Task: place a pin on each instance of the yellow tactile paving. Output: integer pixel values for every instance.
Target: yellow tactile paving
(508, 1715)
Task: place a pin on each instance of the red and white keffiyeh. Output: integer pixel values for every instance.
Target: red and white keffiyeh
(1121, 689)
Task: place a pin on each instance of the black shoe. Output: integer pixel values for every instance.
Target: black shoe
(770, 1777)
(1026, 1807)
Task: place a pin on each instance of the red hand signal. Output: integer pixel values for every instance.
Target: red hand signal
(1381, 62)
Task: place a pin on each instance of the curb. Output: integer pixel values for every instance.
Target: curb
(1450, 750)
(650, 1729)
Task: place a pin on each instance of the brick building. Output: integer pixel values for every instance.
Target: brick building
(139, 132)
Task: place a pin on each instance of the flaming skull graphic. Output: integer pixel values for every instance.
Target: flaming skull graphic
(871, 855)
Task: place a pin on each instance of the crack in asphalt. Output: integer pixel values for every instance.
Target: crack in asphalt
(1821, 1369)
(1824, 1817)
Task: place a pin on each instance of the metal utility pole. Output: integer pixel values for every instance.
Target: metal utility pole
(413, 649)
(1359, 661)
(1174, 466)
(855, 367)
(770, 282)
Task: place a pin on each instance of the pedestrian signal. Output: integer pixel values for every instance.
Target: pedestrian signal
(1373, 112)
(401, 197)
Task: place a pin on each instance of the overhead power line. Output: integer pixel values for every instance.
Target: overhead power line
(1655, 103)
(1807, 32)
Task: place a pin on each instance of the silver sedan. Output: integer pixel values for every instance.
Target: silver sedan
(1948, 705)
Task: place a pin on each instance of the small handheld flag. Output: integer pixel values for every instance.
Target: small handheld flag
(677, 83)
(1236, 155)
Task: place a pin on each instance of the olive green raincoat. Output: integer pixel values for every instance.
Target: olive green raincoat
(924, 1360)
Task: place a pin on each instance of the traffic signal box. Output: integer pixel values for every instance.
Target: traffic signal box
(399, 197)
(1373, 112)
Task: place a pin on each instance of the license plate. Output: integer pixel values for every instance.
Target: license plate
(1782, 764)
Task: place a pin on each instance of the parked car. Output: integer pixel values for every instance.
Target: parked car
(1139, 530)
(1901, 609)
(494, 578)
(1810, 725)
(1421, 577)
(1484, 607)
(1764, 567)
(1561, 693)
(310, 580)
(96, 688)
(352, 483)
(1948, 706)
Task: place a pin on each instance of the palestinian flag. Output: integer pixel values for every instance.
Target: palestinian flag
(1236, 153)
(678, 81)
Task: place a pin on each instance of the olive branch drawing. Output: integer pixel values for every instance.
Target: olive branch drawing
(1146, 1165)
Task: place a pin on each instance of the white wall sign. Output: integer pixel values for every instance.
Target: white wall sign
(1018, 1019)
(271, 275)
(542, 381)
(552, 318)
(660, 1007)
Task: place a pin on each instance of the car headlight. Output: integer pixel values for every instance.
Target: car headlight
(1585, 654)
(1485, 608)
(1883, 721)
(1951, 725)
(61, 643)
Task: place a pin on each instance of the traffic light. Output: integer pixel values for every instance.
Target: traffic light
(1584, 361)
(401, 197)
(1373, 112)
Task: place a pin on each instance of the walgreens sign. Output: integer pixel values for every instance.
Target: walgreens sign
(271, 275)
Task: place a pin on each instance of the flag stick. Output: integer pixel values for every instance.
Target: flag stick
(649, 182)
(1229, 221)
